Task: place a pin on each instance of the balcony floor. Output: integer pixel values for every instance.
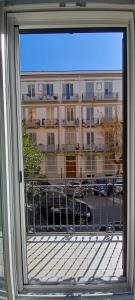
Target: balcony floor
(75, 259)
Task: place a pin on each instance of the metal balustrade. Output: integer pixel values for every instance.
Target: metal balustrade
(34, 123)
(92, 122)
(70, 97)
(49, 123)
(74, 122)
(100, 96)
(39, 97)
(78, 206)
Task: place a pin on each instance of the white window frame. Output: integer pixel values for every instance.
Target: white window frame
(15, 256)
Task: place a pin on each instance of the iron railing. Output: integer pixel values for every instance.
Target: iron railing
(91, 122)
(73, 206)
(39, 97)
(49, 123)
(74, 122)
(70, 97)
(99, 96)
(34, 123)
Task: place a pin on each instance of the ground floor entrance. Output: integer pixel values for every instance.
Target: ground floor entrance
(70, 166)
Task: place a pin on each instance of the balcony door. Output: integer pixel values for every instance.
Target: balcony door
(70, 166)
(89, 90)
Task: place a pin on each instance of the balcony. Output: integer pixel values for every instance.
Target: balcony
(99, 96)
(40, 97)
(70, 147)
(35, 123)
(48, 148)
(89, 147)
(70, 123)
(47, 123)
(91, 123)
(73, 237)
(95, 147)
(74, 97)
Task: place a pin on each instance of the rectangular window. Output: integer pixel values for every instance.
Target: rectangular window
(31, 114)
(47, 89)
(108, 88)
(89, 90)
(90, 115)
(31, 90)
(33, 137)
(70, 114)
(108, 113)
(51, 163)
(50, 138)
(50, 113)
(67, 90)
(91, 162)
(90, 138)
(70, 137)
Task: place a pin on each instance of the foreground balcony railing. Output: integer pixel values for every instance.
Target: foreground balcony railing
(39, 97)
(73, 206)
(100, 96)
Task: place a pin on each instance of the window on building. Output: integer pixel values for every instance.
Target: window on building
(108, 113)
(50, 138)
(31, 114)
(31, 90)
(50, 113)
(70, 113)
(51, 162)
(47, 89)
(91, 162)
(70, 137)
(33, 137)
(90, 115)
(67, 90)
(108, 88)
(90, 138)
(89, 90)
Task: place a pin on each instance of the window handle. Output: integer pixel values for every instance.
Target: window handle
(20, 176)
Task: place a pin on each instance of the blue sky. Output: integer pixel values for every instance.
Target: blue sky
(78, 51)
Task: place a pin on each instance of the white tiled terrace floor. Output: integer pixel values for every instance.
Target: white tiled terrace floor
(74, 258)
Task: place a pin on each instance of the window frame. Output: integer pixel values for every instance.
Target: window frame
(51, 19)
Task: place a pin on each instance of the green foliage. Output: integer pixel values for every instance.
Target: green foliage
(32, 157)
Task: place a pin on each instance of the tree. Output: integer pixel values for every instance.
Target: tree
(112, 131)
(31, 155)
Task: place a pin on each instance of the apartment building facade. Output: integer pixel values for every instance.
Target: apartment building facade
(69, 117)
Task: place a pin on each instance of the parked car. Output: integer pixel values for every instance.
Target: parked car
(118, 186)
(75, 189)
(56, 209)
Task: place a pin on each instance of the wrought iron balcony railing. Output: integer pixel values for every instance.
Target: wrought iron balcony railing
(39, 97)
(48, 148)
(49, 123)
(91, 123)
(70, 147)
(71, 123)
(74, 97)
(34, 123)
(73, 206)
(100, 96)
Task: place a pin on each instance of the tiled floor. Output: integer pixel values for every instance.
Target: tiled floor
(74, 258)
